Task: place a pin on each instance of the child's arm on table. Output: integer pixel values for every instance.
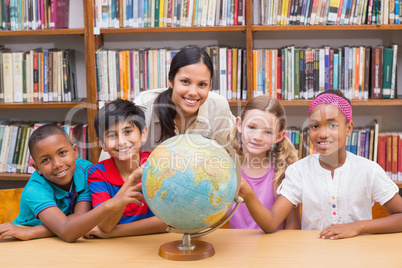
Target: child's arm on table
(110, 222)
(268, 220)
(151, 225)
(40, 231)
(389, 224)
(293, 221)
(24, 232)
(71, 228)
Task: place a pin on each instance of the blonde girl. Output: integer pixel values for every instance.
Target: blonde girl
(265, 153)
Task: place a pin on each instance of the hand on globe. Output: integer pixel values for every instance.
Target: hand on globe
(136, 176)
(130, 195)
(245, 189)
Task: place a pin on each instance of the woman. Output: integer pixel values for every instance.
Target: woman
(187, 106)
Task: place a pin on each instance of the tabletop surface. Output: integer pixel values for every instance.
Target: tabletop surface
(234, 248)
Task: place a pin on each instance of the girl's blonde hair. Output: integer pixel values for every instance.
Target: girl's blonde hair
(282, 153)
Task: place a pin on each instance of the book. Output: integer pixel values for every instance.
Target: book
(61, 13)
(229, 66)
(17, 76)
(393, 92)
(394, 157)
(9, 157)
(400, 157)
(375, 141)
(17, 150)
(387, 72)
(376, 72)
(26, 155)
(333, 11)
(223, 70)
(23, 149)
(366, 72)
(354, 141)
(388, 154)
(8, 84)
(5, 147)
(234, 73)
(371, 144)
(381, 150)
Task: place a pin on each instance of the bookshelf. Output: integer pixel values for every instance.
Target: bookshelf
(73, 38)
(249, 37)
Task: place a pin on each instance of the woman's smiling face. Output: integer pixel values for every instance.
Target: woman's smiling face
(191, 86)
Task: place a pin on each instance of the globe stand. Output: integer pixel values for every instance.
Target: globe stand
(186, 250)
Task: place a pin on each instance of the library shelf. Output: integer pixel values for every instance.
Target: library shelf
(14, 177)
(44, 105)
(43, 32)
(266, 28)
(236, 103)
(174, 29)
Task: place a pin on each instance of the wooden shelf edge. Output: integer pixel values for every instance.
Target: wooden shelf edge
(174, 29)
(45, 105)
(14, 177)
(324, 27)
(235, 103)
(43, 32)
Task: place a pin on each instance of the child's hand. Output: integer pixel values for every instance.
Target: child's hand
(245, 189)
(96, 233)
(340, 231)
(136, 176)
(10, 230)
(131, 195)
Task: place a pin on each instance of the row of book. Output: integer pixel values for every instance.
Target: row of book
(301, 73)
(384, 148)
(126, 73)
(32, 15)
(326, 12)
(37, 75)
(14, 137)
(168, 13)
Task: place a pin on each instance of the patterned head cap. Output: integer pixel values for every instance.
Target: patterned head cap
(332, 99)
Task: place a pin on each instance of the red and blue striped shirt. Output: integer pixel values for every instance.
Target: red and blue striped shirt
(105, 181)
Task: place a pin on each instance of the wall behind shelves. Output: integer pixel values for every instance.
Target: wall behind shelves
(76, 15)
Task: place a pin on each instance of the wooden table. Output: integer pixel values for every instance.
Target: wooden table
(234, 248)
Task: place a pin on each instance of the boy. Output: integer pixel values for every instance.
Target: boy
(56, 199)
(120, 128)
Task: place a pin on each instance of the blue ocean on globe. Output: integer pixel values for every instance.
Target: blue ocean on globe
(189, 182)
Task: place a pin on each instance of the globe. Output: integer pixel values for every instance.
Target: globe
(189, 182)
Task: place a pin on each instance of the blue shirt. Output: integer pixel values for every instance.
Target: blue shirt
(40, 194)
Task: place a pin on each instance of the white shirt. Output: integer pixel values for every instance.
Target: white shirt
(214, 115)
(348, 197)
